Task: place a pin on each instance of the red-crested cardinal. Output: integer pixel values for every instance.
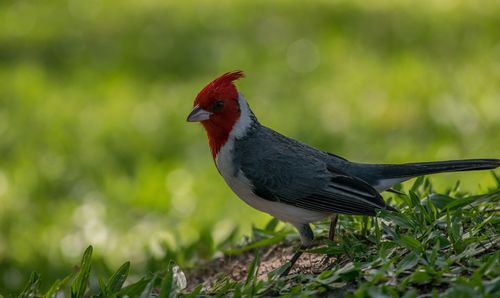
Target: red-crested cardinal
(290, 180)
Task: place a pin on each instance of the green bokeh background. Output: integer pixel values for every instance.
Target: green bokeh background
(94, 147)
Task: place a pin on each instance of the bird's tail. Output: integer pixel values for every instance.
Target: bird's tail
(384, 176)
(425, 168)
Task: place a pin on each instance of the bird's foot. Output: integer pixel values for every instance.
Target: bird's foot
(292, 261)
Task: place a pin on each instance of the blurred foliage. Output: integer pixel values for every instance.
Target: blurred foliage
(94, 147)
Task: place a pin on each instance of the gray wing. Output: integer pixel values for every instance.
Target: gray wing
(284, 170)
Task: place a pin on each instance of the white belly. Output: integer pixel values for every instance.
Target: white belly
(242, 187)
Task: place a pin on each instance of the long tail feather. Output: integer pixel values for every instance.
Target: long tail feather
(425, 168)
(384, 176)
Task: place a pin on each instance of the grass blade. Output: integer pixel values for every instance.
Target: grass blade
(167, 284)
(31, 288)
(497, 178)
(79, 285)
(418, 182)
(398, 218)
(408, 262)
(253, 268)
(135, 289)
(148, 290)
(411, 243)
(272, 224)
(440, 200)
(115, 282)
(57, 285)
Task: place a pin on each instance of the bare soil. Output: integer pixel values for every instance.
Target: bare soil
(235, 266)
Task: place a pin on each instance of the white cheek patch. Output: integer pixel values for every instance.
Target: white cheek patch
(244, 122)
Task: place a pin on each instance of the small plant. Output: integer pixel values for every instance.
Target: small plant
(439, 243)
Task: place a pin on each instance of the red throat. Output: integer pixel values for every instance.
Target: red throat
(218, 133)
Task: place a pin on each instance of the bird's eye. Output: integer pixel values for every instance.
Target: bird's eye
(218, 105)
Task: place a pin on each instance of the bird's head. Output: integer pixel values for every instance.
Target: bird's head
(218, 109)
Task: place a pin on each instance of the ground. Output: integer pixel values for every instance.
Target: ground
(438, 244)
(273, 257)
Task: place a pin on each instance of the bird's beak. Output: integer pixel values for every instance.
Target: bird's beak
(198, 114)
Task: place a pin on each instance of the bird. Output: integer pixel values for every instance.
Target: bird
(290, 180)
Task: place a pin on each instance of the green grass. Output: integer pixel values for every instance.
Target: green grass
(95, 150)
(439, 244)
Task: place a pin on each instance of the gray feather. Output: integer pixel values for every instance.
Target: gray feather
(288, 171)
(282, 169)
(384, 176)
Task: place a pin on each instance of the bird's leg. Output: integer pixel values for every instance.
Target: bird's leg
(331, 235)
(306, 238)
(333, 226)
(293, 260)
